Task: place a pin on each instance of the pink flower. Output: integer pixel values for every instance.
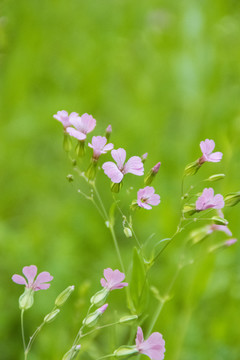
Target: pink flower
(208, 201)
(64, 118)
(215, 227)
(147, 197)
(83, 125)
(99, 146)
(113, 279)
(230, 242)
(30, 273)
(153, 347)
(116, 172)
(207, 147)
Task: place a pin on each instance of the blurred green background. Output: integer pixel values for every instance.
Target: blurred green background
(166, 75)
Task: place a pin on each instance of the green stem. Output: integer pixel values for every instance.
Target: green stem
(32, 338)
(100, 200)
(22, 331)
(116, 246)
(99, 328)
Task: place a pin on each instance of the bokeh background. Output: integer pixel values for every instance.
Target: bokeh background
(166, 75)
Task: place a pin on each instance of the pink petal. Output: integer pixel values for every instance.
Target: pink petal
(215, 157)
(88, 123)
(103, 308)
(154, 200)
(207, 146)
(225, 229)
(42, 287)
(103, 282)
(134, 166)
(112, 171)
(30, 272)
(75, 133)
(154, 347)
(18, 279)
(139, 337)
(218, 201)
(75, 120)
(99, 142)
(43, 277)
(148, 191)
(145, 206)
(108, 147)
(119, 156)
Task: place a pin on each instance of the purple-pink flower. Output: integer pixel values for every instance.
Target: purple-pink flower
(230, 242)
(153, 347)
(64, 118)
(30, 272)
(83, 125)
(215, 227)
(99, 146)
(113, 279)
(207, 148)
(147, 197)
(208, 201)
(116, 172)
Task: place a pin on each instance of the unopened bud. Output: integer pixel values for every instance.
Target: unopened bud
(91, 319)
(232, 199)
(128, 318)
(216, 177)
(125, 351)
(72, 353)
(26, 299)
(116, 187)
(51, 316)
(92, 169)
(152, 173)
(70, 177)
(189, 209)
(108, 132)
(134, 205)
(219, 220)
(230, 242)
(199, 234)
(80, 148)
(67, 144)
(100, 297)
(63, 296)
(144, 157)
(127, 232)
(192, 168)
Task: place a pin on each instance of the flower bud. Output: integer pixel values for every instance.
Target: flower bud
(152, 173)
(26, 299)
(192, 168)
(219, 220)
(144, 157)
(70, 177)
(230, 242)
(116, 187)
(72, 353)
(189, 209)
(92, 169)
(128, 318)
(108, 132)
(199, 234)
(91, 319)
(80, 148)
(100, 297)
(134, 205)
(125, 350)
(67, 144)
(216, 177)
(63, 296)
(232, 199)
(51, 316)
(127, 232)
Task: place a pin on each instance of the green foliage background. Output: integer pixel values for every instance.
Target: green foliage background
(166, 75)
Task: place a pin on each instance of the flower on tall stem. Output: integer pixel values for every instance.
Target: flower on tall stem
(113, 279)
(152, 173)
(153, 347)
(82, 126)
(99, 146)
(207, 148)
(147, 197)
(208, 201)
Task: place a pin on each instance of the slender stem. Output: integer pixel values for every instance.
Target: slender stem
(100, 200)
(116, 246)
(32, 338)
(99, 328)
(22, 330)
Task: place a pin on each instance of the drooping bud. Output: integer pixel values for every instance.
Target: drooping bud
(64, 295)
(108, 132)
(67, 144)
(80, 148)
(72, 353)
(91, 319)
(70, 177)
(134, 205)
(144, 157)
(216, 177)
(189, 209)
(128, 232)
(125, 350)
(232, 199)
(128, 318)
(116, 187)
(51, 316)
(26, 299)
(92, 169)
(152, 173)
(219, 220)
(100, 297)
(192, 168)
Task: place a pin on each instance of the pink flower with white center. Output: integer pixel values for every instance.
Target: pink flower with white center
(207, 148)
(30, 273)
(116, 172)
(147, 197)
(153, 347)
(113, 279)
(83, 125)
(208, 201)
(99, 146)
(64, 118)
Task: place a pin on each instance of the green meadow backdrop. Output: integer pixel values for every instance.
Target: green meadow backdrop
(165, 75)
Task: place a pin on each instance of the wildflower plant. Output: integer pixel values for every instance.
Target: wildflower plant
(195, 208)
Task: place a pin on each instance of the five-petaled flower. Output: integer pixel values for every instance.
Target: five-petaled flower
(64, 118)
(100, 146)
(30, 272)
(208, 201)
(207, 148)
(113, 279)
(116, 172)
(147, 197)
(153, 347)
(83, 125)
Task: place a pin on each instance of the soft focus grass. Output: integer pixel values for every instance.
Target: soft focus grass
(165, 75)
